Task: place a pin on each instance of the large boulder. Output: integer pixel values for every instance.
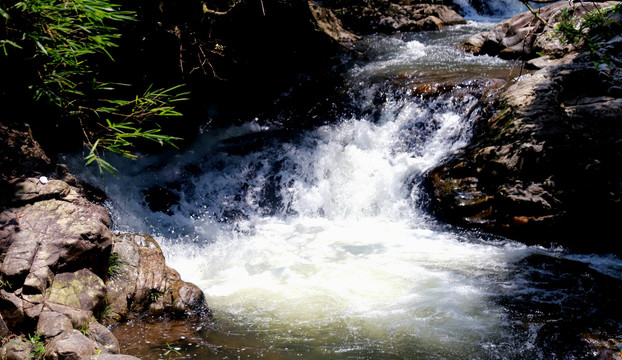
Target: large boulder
(143, 283)
(545, 167)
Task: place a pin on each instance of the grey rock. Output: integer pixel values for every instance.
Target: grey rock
(55, 234)
(16, 350)
(71, 345)
(51, 324)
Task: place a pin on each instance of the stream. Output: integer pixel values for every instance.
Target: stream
(317, 244)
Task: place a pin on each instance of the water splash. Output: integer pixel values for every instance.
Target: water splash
(312, 241)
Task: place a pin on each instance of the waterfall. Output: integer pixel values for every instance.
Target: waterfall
(312, 244)
(485, 10)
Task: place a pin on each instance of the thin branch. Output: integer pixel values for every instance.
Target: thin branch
(536, 13)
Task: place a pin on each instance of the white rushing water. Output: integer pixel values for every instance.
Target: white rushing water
(314, 241)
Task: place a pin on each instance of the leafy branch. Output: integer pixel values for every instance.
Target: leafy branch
(119, 135)
(63, 39)
(589, 32)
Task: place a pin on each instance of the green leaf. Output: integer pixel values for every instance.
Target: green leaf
(4, 14)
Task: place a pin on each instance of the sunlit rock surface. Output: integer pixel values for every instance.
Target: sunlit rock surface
(54, 261)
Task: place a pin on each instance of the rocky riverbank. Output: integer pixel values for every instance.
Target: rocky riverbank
(63, 273)
(544, 167)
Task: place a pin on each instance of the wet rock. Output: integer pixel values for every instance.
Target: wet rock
(544, 164)
(145, 284)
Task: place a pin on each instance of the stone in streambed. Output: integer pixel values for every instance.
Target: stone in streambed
(144, 283)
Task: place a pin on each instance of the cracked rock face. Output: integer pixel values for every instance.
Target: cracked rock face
(53, 234)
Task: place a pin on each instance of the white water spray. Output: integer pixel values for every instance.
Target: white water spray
(313, 241)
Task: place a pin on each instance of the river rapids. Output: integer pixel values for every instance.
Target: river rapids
(318, 245)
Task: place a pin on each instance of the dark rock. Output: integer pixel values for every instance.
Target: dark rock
(21, 155)
(12, 309)
(546, 164)
(160, 199)
(4, 330)
(397, 17)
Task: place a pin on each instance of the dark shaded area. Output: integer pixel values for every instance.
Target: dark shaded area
(563, 306)
(235, 65)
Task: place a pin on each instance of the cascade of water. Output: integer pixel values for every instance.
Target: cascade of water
(477, 9)
(313, 241)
